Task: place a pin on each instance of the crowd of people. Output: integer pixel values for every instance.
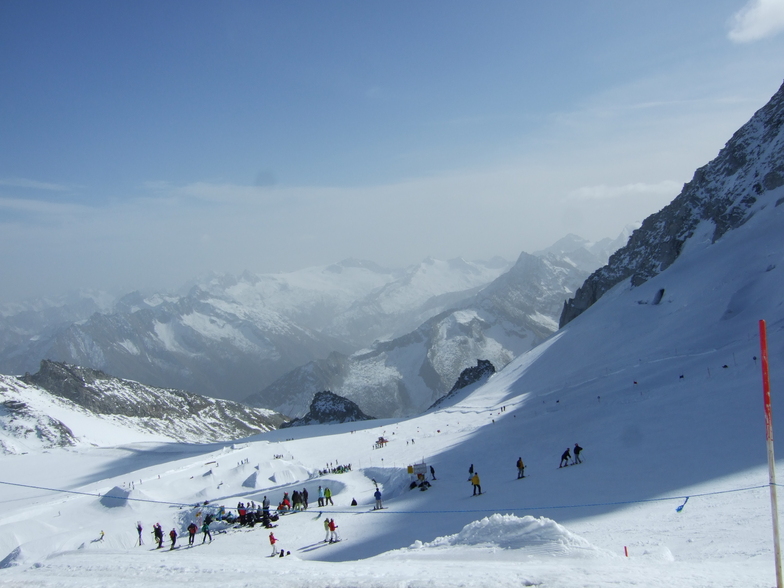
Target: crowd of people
(338, 469)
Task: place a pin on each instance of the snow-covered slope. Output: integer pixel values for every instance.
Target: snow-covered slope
(641, 386)
(658, 380)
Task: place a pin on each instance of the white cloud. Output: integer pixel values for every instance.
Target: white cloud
(603, 192)
(34, 184)
(757, 20)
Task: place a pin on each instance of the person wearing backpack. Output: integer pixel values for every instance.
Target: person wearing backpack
(191, 532)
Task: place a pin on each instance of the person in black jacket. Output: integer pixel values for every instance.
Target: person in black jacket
(577, 450)
(565, 456)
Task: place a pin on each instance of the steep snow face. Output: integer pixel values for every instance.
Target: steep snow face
(725, 192)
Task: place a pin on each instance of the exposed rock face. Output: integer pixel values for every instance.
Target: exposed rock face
(481, 371)
(721, 192)
(181, 415)
(329, 408)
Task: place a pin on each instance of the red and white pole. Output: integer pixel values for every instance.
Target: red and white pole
(771, 460)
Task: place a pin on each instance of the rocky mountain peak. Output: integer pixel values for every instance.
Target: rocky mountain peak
(723, 192)
(327, 407)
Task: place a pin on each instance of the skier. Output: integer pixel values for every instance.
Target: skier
(326, 528)
(139, 530)
(577, 450)
(173, 537)
(377, 496)
(273, 540)
(157, 532)
(328, 497)
(433, 472)
(475, 483)
(205, 528)
(520, 468)
(321, 496)
(305, 498)
(191, 532)
(565, 456)
(333, 534)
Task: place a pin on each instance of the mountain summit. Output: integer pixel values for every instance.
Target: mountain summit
(722, 192)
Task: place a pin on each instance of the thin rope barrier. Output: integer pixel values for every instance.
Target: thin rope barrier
(478, 510)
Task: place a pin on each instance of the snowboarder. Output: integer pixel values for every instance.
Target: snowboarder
(265, 504)
(173, 537)
(139, 530)
(328, 497)
(205, 528)
(377, 496)
(433, 472)
(305, 498)
(273, 540)
(565, 456)
(321, 496)
(326, 528)
(520, 468)
(192, 532)
(333, 533)
(475, 483)
(577, 450)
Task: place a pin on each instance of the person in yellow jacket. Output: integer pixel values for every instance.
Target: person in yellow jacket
(475, 484)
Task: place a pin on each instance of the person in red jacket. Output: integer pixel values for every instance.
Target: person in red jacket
(191, 532)
(333, 533)
(173, 537)
(273, 541)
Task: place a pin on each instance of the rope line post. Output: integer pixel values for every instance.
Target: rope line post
(771, 460)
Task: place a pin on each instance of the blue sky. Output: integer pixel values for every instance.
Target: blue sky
(143, 143)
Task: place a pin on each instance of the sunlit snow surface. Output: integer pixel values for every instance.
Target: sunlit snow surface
(665, 398)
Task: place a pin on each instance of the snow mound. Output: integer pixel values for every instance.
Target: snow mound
(115, 497)
(540, 536)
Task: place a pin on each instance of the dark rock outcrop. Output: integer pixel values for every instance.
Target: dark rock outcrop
(722, 192)
(329, 408)
(481, 371)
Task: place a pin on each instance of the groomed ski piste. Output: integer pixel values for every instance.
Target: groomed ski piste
(665, 399)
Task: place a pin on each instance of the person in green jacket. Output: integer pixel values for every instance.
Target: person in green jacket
(328, 497)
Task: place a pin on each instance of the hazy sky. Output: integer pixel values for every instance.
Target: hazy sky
(144, 143)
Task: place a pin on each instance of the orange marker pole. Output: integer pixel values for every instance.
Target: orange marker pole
(771, 460)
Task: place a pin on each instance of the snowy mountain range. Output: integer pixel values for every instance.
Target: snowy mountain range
(405, 375)
(63, 405)
(658, 379)
(229, 337)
